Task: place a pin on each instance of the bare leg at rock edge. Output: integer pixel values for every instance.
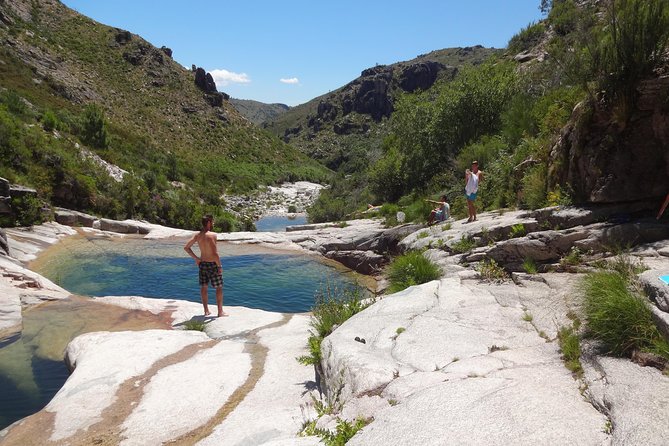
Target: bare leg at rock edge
(219, 301)
(205, 298)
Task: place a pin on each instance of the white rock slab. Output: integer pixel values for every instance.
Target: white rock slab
(271, 411)
(239, 321)
(186, 395)
(103, 361)
(636, 399)
(515, 407)
(26, 243)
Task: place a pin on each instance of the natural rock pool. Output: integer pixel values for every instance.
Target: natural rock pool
(253, 277)
(31, 366)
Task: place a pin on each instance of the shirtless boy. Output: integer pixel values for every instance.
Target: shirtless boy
(209, 263)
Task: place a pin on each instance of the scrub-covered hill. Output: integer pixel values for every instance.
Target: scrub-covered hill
(75, 93)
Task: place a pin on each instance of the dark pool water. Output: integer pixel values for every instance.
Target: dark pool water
(278, 223)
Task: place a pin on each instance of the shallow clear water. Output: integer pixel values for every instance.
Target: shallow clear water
(268, 280)
(31, 361)
(278, 223)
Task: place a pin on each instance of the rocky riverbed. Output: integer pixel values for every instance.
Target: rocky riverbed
(459, 359)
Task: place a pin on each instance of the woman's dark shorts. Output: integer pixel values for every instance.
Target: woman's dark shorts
(209, 274)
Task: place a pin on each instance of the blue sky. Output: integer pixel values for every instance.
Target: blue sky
(293, 51)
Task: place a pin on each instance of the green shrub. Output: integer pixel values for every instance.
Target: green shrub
(26, 211)
(465, 244)
(411, 269)
(292, 209)
(534, 187)
(50, 121)
(570, 345)
(94, 128)
(418, 211)
(563, 16)
(389, 210)
(527, 38)
(632, 46)
(332, 308)
(14, 102)
(620, 317)
(529, 265)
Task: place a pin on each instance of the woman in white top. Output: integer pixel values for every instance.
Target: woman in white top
(472, 179)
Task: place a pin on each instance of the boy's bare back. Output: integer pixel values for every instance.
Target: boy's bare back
(207, 244)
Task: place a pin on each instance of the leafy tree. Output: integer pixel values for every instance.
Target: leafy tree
(94, 127)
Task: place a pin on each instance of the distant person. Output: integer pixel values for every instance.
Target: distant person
(472, 179)
(209, 264)
(441, 213)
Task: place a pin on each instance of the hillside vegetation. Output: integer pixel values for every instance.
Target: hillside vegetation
(345, 128)
(71, 85)
(258, 112)
(517, 115)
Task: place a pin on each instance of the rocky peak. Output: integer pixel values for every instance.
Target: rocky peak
(205, 81)
(421, 75)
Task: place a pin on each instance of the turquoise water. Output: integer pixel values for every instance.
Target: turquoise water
(278, 223)
(266, 280)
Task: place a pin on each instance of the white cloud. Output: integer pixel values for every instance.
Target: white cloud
(225, 77)
(292, 80)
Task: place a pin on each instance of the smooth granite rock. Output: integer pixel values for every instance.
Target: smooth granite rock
(657, 290)
(635, 398)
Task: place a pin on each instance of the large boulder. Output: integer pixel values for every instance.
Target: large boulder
(604, 159)
(74, 218)
(122, 227)
(364, 262)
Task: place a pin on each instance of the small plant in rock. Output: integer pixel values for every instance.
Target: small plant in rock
(573, 258)
(194, 325)
(627, 266)
(422, 234)
(570, 346)
(411, 269)
(440, 243)
(492, 271)
(342, 224)
(447, 226)
(530, 266)
(400, 330)
(527, 316)
(517, 231)
(344, 431)
(332, 307)
(465, 244)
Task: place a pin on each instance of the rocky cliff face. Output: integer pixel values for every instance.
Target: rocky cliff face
(605, 159)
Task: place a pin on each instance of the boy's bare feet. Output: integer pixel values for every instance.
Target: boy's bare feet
(223, 315)
(207, 313)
